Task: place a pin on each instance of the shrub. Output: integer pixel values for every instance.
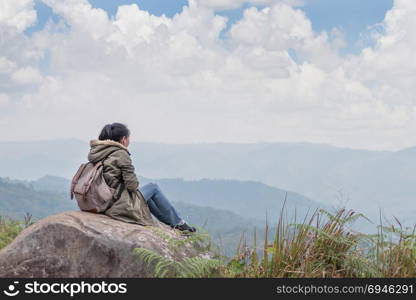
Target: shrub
(10, 228)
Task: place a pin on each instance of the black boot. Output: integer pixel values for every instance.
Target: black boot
(184, 227)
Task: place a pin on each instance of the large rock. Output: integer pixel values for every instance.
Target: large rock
(81, 244)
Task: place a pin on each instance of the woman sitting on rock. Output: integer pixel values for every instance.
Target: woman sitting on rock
(135, 202)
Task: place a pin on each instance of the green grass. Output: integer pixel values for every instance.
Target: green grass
(324, 246)
(321, 245)
(10, 228)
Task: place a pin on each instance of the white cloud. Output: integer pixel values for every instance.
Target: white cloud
(392, 61)
(18, 14)
(232, 4)
(4, 100)
(175, 80)
(27, 75)
(19, 56)
(6, 66)
(389, 69)
(281, 28)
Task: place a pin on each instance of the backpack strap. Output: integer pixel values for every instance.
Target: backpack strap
(87, 185)
(122, 186)
(97, 166)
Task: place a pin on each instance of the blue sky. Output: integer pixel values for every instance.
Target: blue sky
(353, 17)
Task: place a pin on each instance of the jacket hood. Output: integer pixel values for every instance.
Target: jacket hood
(100, 149)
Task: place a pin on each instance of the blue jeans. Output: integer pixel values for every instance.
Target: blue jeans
(159, 205)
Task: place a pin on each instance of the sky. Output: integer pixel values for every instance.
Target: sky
(320, 71)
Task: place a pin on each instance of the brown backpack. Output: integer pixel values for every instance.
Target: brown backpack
(90, 189)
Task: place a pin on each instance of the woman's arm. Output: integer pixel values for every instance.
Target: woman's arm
(127, 171)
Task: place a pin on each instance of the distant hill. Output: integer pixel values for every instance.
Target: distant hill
(18, 198)
(49, 195)
(363, 180)
(249, 199)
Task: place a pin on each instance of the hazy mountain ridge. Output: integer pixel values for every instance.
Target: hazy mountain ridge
(249, 199)
(360, 179)
(20, 197)
(50, 194)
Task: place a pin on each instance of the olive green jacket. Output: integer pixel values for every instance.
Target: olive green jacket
(131, 207)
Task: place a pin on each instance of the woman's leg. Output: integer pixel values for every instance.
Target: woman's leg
(159, 205)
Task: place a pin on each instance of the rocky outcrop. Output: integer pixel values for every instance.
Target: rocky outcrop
(82, 244)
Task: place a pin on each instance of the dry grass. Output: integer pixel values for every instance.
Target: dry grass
(324, 246)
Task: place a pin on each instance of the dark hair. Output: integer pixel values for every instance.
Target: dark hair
(114, 132)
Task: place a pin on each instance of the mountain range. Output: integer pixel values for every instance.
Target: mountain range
(367, 181)
(225, 208)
